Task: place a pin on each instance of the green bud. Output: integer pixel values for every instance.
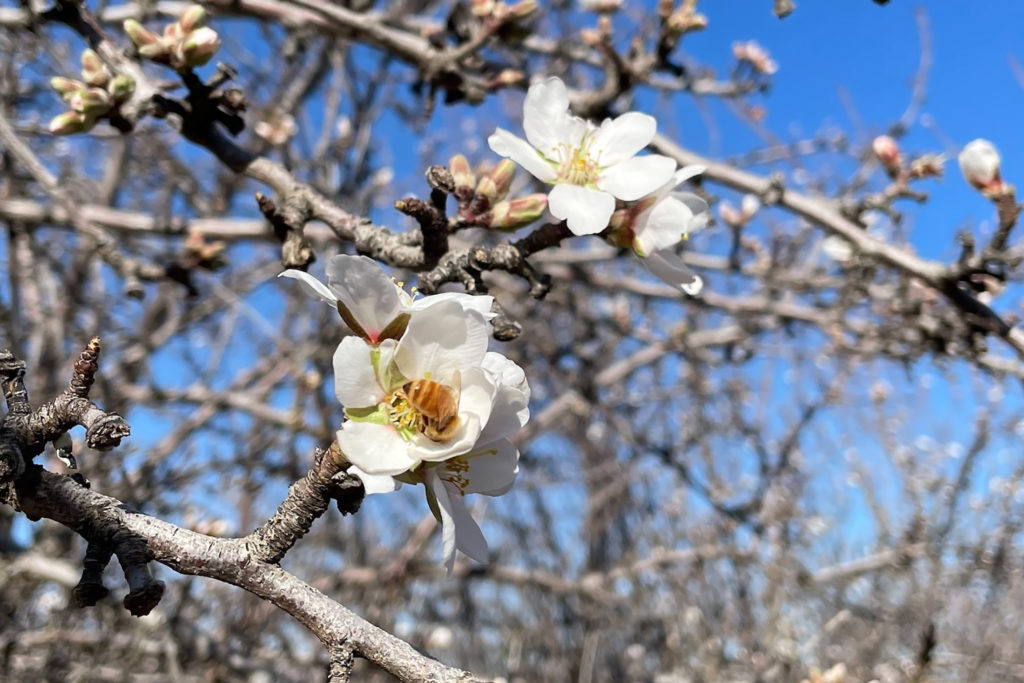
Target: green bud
(94, 71)
(495, 185)
(139, 34)
(91, 102)
(515, 213)
(121, 87)
(71, 122)
(462, 172)
(156, 51)
(66, 86)
(192, 18)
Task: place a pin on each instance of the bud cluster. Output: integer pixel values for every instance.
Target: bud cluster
(734, 218)
(185, 43)
(483, 202)
(676, 22)
(95, 96)
(755, 56)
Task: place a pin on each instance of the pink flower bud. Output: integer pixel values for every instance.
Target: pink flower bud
(199, 47)
(979, 162)
(70, 122)
(483, 8)
(510, 215)
(729, 214)
(462, 172)
(887, 151)
(495, 185)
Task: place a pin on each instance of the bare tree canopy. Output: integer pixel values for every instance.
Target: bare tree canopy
(510, 341)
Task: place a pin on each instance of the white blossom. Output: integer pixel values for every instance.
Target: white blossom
(590, 167)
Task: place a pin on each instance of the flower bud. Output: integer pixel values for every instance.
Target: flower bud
(139, 34)
(927, 166)
(67, 87)
(979, 162)
(729, 215)
(495, 185)
(513, 214)
(157, 51)
(70, 122)
(508, 77)
(749, 206)
(521, 10)
(91, 102)
(483, 8)
(887, 151)
(199, 47)
(94, 71)
(192, 18)
(462, 172)
(121, 87)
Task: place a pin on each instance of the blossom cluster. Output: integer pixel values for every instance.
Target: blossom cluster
(425, 402)
(184, 44)
(601, 185)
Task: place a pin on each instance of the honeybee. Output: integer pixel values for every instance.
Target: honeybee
(438, 404)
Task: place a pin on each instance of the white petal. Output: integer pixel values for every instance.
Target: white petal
(492, 468)
(375, 449)
(663, 226)
(314, 287)
(511, 408)
(545, 111)
(355, 383)
(368, 293)
(469, 302)
(687, 172)
(463, 441)
(518, 150)
(587, 211)
(671, 269)
(440, 340)
(621, 138)
(458, 528)
(375, 483)
(637, 177)
(698, 207)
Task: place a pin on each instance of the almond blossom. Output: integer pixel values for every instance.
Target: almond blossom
(390, 427)
(589, 166)
(373, 305)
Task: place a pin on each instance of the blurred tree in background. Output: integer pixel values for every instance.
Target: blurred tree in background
(808, 469)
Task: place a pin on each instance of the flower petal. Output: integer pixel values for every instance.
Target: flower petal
(314, 287)
(469, 302)
(637, 177)
(670, 268)
(687, 172)
(375, 483)
(587, 211)
(545, 111)
(663, 226)
(355, 382)
(366, 290)
(511, 408)
(440, 340)
(458, 528)
(375, 449)
(620, 138)
(518, 150)
(491, 469)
